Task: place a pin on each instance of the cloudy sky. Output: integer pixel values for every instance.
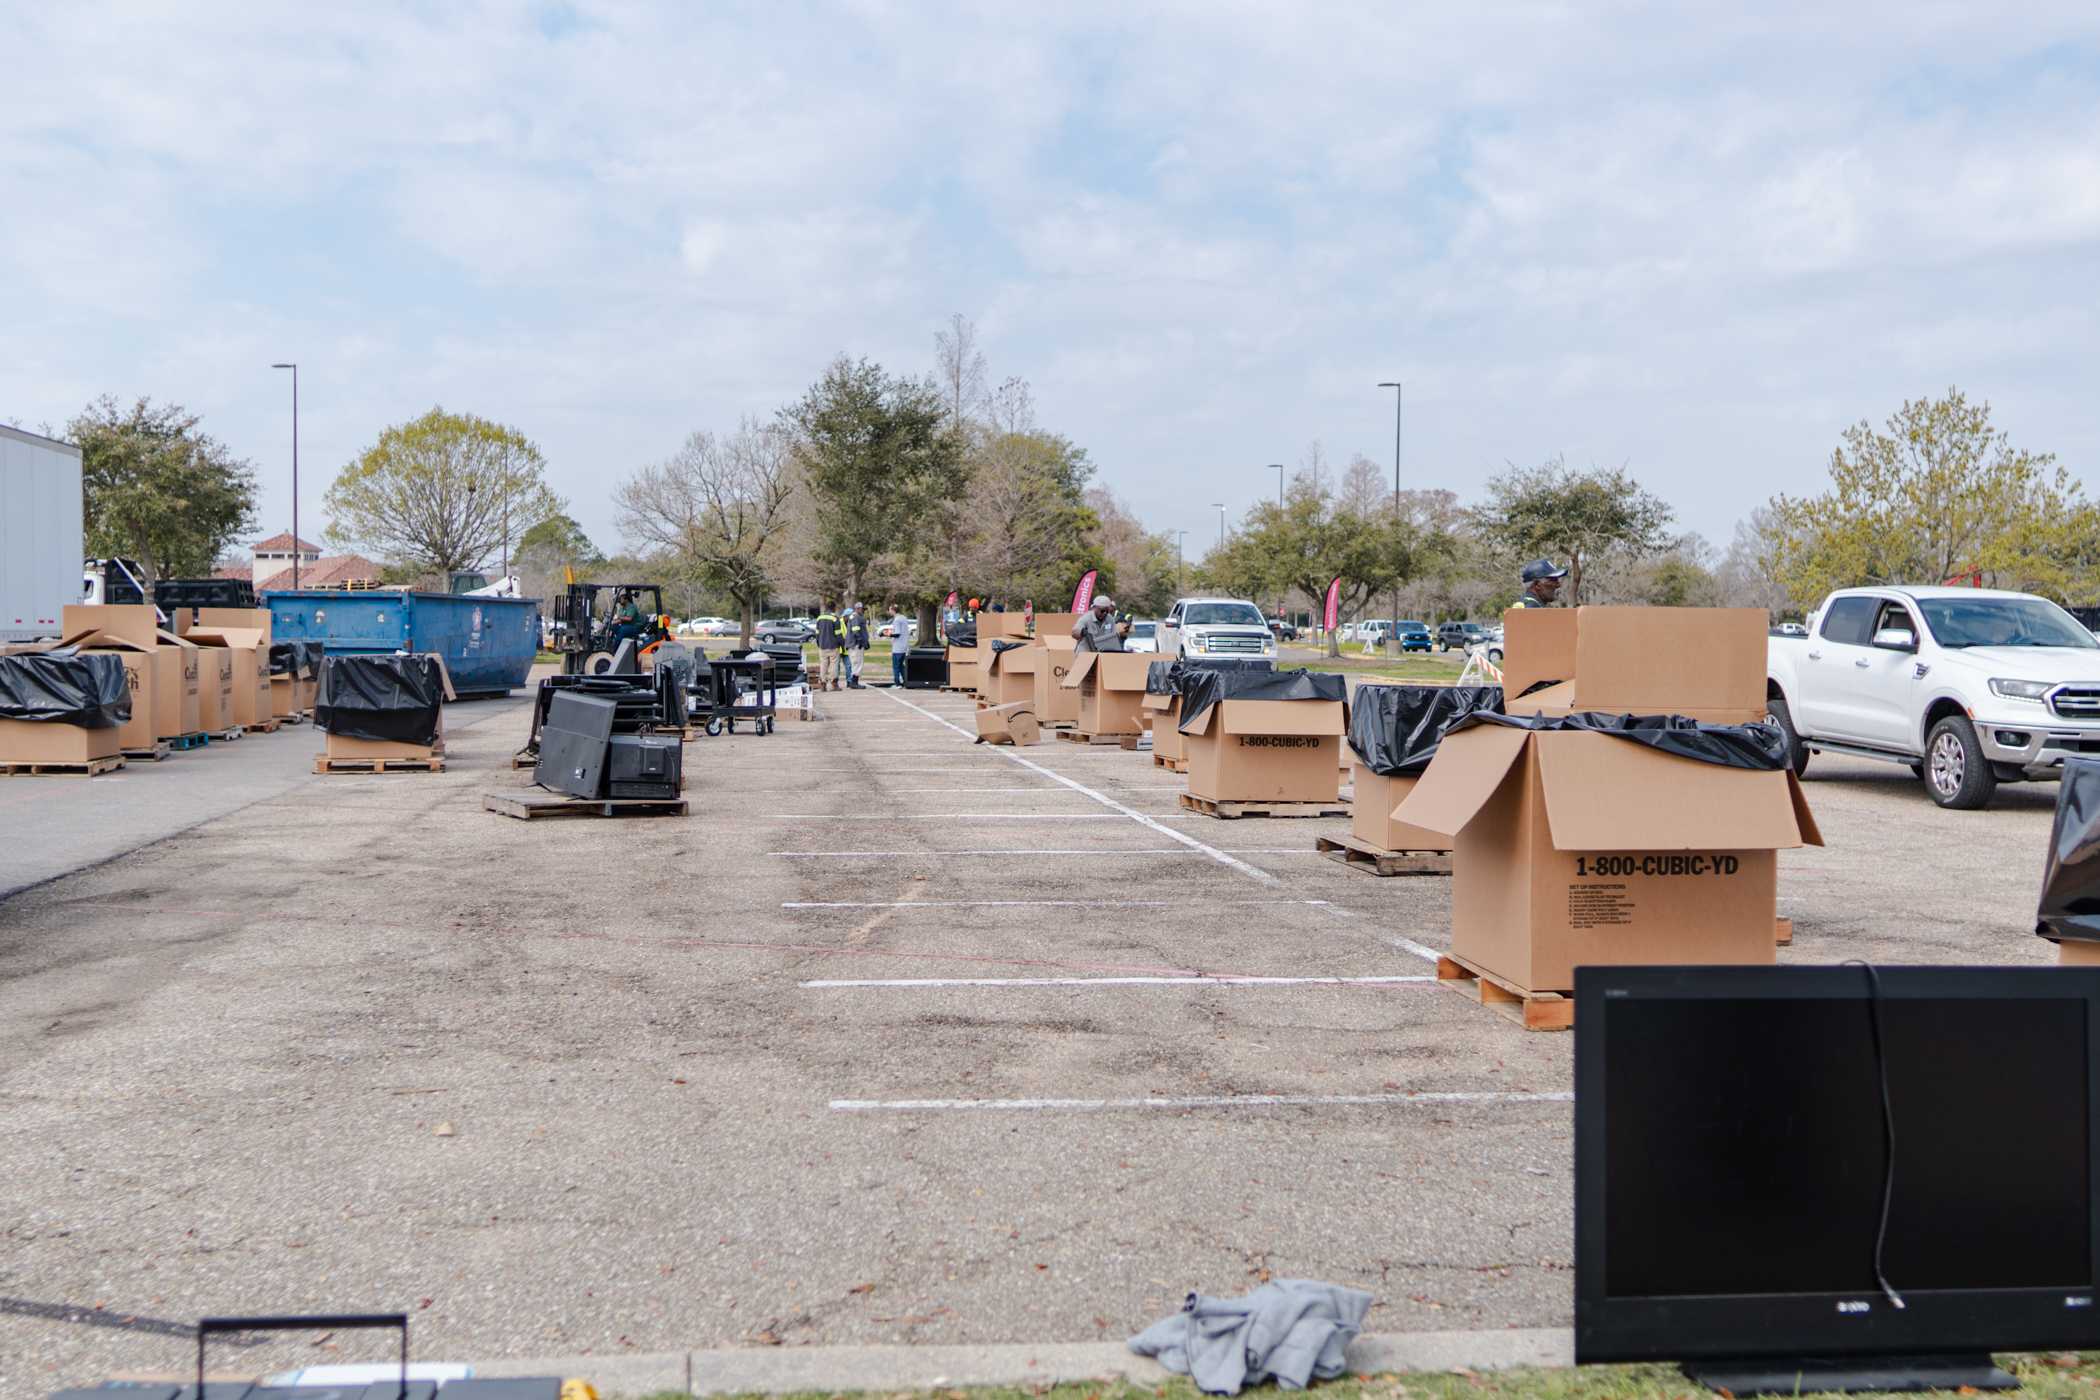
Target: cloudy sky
(1688, 240)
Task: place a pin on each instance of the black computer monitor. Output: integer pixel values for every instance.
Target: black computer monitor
(1732, 1172)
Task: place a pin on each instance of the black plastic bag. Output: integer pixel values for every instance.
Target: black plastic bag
(284, 658)
(2070, 906)
(1395, 729)
(1202, 688)
(1000, 644)
(84, 689)
(1755, 746)
(310, 657)
(962, 634)
(1165, 677)
(389, 698)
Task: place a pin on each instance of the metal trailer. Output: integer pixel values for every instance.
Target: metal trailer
(488, 643)
(40, 549)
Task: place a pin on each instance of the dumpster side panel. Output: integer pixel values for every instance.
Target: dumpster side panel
(488, 643)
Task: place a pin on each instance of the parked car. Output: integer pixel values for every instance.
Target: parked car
(697, 626)
(1790, 629)
(1414, 636)
(1144, 636)
(886, 630)
(1460, 636)
(722, 627)
(1967, 687)
(1198, 627)
(787, 631)
(1285, 631)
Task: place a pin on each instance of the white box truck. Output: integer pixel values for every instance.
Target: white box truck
(39, 533)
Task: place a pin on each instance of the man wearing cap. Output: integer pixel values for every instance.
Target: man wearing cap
(1097, 628)
(1541, 584)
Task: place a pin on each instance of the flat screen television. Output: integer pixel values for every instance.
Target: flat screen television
(1738, 1207)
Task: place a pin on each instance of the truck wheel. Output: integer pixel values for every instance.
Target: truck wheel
(1957, 775)
(1779, 717)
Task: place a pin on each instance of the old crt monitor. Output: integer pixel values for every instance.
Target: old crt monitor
(1733, 1171)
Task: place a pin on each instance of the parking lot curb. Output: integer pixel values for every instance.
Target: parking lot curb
(782, 1370)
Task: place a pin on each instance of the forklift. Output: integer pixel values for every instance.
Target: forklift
(587, 621)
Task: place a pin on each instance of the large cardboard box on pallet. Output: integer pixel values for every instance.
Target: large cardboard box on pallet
(284, 696)
(250, 650)
(962, 669)
(345, 747)
(1009, 676)
(1008, 724)
(175, 677)
(215, 690)
(1704, 663)
(996, 627)
(1371, 820)
(1162, 715)
(29, 741)
(1266, 751)
(130, 632)
(1055, 705)
(1574, 849)
(247, 619)
(1111, 690)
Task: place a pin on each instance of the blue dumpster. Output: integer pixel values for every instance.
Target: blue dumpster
(488, 643)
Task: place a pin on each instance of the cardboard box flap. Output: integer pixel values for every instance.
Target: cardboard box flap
(1468, 769)
(1050, 626)
(1082, 667)
(169, 639)
(133, 622)
(1158, 702)
(1606, 794)
(1811, 834)
(1203, 722)
(229, 637)
(1538, 644)
(1122, 670)
(1300, 717)
(215, 618)
(1646, 660)
(1015, 661)
(94, 639)
(1560, 696)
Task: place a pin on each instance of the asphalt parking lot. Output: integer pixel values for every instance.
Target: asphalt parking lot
(895, 1038)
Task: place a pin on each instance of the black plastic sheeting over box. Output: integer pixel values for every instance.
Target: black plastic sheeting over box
(1755, 746)
(1165, 677)
(300, 660)
(2070, 906)
(1394, 729)
(1201, 689)
(389, 698)
(86, 690)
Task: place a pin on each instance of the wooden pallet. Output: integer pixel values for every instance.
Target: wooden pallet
(227, 736)
(1131, 742)
(182, 743)
(1783, 933)
(1534, 1011)
(1172, 765)
(1073, 736)
(268, 726)
(153, 755)
(1232, 810)
(295, 717)
(522, 759)
(527, 805)
(324, 764)
(1374, 860)
(89, 769)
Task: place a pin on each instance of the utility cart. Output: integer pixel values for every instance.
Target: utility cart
(742, 687)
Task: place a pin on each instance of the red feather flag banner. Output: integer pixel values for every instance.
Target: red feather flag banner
(953, 598)
(1334, 603)
(1083, 596)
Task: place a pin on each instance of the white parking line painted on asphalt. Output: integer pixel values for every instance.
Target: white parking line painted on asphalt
(1408, 945)
(1027, 851)
(949, 817)
(1035, 903)
(1195, 980)
(1253, 872)
(1216, 1101)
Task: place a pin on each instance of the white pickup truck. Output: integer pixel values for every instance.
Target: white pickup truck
(1204, 627)
(1969, 687)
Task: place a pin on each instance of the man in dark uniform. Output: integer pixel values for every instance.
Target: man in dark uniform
(1541, 584)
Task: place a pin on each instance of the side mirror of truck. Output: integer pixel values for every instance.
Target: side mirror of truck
(1896, 639)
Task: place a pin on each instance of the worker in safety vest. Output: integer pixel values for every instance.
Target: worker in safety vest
(1541, 584)
(830, 637)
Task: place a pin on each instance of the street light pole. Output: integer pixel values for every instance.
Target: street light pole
(295, 470)
(1399, 404)
(1219, 507)
(1277, 467)
(1181, 581)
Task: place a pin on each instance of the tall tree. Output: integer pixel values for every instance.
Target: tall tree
(440, 493)
(880, 458)
(718, 507)
(1939, 494)
(549, 549)
(1140, 569)
(959, 369)
(156, 490)
(1556, 513)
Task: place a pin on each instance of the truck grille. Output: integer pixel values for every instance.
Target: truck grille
(1251, 646)
(2076, 701)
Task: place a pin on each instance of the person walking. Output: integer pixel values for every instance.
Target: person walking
(829, 637)
(856, 643)
(1541, 584)
(900, 645)
(1098, 630)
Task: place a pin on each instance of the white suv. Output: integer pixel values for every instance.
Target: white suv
(1206, 627)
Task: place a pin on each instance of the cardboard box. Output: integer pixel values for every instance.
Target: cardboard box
(245, 619)
(1008, 724)
(1009, 676)
(135, 623)
(284, 697)
(1055, 705)
(342, 746)
(2077, 952)
(962, 668)
(1162, 715)
(1705, 663)
(307, 688)
(1575, 849)
(215, 690)
(175, 678)
(1111, 690)
(1371, 814)
(1266, 751)
(32, 741)
(136, 732)
(250, 650)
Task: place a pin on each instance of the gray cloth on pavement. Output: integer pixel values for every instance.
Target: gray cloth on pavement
(1291, 1331)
